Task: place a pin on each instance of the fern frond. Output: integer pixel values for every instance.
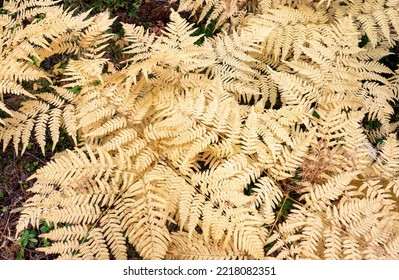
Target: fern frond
(322, 196)
(61, 247)
(386, 163)
(144, 220)
(113, 235)
(95, 248)
(194, 248)
(267, 195)
(74, 232)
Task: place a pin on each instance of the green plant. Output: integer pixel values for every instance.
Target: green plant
(29, 146)
(28, 239)
(21, 183)
(46, 228)
(31, 166)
